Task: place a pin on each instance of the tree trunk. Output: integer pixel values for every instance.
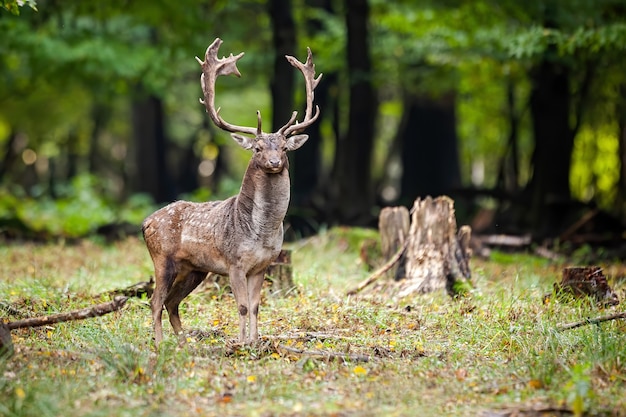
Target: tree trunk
(149, 171)
(430, 157)
(508, 174)
(10, 155)
(283, 74)
(554, 140)
(307, 208)
(352, 170)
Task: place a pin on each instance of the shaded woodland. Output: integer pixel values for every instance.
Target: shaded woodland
(516, 110)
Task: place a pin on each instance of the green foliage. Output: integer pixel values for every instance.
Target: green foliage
(596, 180)
(74, 60)
(79, 208)
(13, 6)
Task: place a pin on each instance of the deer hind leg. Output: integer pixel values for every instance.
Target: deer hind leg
(164, 277)
(255, 283)
(240, 291)
(183, 285)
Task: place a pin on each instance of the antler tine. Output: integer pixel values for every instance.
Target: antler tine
(308, 70)
(213, 67)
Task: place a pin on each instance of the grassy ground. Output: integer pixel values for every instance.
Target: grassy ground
(497, 350)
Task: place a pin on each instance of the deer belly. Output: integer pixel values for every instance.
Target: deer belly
(201, 255)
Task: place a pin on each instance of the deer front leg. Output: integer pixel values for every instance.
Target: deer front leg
(255, 283)
(240, 290)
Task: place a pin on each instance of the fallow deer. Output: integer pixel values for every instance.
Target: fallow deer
(240, 236)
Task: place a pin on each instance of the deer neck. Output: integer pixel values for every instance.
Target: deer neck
(263, 201)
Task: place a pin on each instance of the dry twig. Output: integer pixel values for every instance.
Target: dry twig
(380, 271)
(325, 354)
(597, 320)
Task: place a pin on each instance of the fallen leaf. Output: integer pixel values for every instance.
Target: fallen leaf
(359, 370)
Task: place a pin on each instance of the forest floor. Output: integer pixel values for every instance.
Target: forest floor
(496, 352)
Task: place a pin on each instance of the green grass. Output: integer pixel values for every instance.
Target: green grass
(430, 355)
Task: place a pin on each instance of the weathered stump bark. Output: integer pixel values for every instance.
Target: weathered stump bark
(394, 224)
(586, 281)
(437, 256)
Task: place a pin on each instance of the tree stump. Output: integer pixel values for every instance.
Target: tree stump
(280, 274)
(433, 255)
(393, 224)
(437, 256)
(586, 281)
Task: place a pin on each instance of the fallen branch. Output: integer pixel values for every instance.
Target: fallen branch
(309, 336)
(597, 320)
(6, 345)
(93, 311)
(326, 354)
(380, 271)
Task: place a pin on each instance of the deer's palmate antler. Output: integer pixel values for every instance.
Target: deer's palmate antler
(239, 236)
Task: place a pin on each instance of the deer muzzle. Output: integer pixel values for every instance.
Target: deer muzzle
(274, 165)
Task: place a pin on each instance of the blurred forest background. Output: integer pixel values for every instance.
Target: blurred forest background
(516, 109)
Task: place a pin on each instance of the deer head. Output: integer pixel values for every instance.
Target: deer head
(269, 148)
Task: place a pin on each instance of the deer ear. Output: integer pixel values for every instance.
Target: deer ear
(294, 142)
(243, 141)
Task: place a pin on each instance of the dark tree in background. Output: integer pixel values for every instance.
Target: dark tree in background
(430, 160)
(353, 155)
(282, 75)
(554, 139)
(151, 172)
(308, 206)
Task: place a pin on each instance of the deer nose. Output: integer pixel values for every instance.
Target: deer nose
(273, 163)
